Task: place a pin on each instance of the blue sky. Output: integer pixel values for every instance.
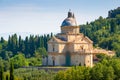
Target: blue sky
(45, 16)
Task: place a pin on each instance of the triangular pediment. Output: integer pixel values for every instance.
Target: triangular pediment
(88, 39)
(83, 40)
(55, 40)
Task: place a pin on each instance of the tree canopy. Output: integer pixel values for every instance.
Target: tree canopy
(105, 32)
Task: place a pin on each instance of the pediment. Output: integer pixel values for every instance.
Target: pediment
(55, 40)
(88, 39)
(83, 40)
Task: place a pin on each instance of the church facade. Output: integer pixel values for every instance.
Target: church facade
(70, 47)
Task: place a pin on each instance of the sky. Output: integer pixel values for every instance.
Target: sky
(46, 16)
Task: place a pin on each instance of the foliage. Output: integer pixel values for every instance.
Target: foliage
(11, 71)
(34, 61)
(33, 74)
(1, 72)
(19, 60)
(27, 46)
(107, 69)
(74, 73)
(27, 52)
(105, 32)
(114, 13)
(41, 51)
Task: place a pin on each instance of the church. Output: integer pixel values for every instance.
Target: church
(70, 47)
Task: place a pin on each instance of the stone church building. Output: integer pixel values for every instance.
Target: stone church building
(70, 47)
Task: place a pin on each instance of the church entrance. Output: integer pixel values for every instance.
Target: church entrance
(68, 59)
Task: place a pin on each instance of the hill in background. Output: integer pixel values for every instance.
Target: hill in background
(105, 32)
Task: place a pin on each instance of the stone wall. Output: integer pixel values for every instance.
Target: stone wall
(53, 47)
(89, 60)
(62, 48)
(75, 59)
(59, 59)
(70, 29)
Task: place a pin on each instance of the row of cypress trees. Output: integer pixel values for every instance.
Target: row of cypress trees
(28, 46)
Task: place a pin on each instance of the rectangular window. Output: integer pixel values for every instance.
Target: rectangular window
(53, 49)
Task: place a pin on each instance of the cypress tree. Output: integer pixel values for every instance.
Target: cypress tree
(26, 43)
(20, 44)
(11, 71)
(1, 73)
(2, 40)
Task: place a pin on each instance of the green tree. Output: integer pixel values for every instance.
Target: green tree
(74, 73)
(97, 72)
(41, 51)
(11, 71)
(2, 40)
(115, 63)
(19, 60)
(6, 65)
(113, 26)
(1, 71)
(108, 73)
(26, 43)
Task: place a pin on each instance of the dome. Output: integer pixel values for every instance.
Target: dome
(69, 21)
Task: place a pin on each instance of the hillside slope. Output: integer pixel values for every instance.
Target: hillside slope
(105, 32)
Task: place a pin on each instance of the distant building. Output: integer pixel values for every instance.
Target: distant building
(70, 47)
